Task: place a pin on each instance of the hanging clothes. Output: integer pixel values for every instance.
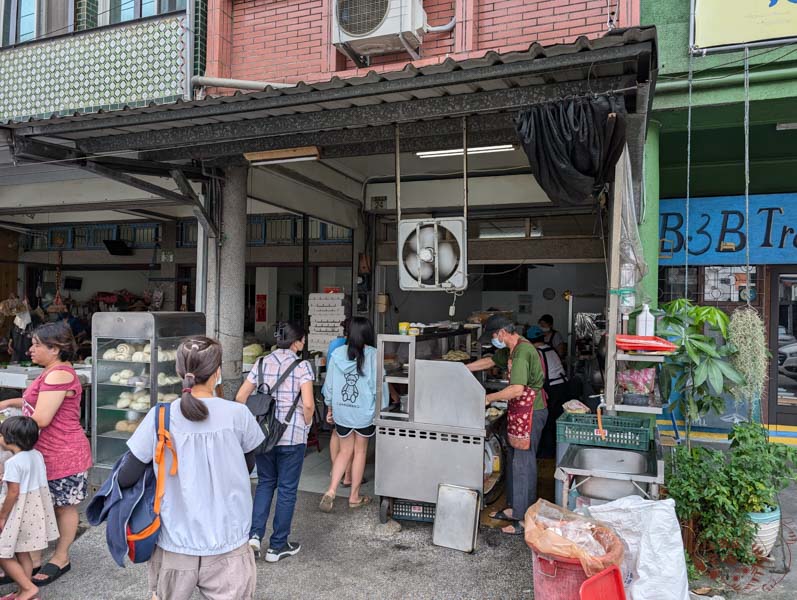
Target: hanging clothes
(573, 145)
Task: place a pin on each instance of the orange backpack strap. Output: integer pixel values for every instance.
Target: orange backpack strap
(164, 443)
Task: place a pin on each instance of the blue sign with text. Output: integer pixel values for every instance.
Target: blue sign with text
(718, 234)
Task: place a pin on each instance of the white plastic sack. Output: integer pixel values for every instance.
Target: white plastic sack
(654, 558)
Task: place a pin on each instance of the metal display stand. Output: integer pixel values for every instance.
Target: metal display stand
(439, 437)
(151, 338)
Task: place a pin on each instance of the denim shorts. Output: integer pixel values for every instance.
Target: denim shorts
(344, 432)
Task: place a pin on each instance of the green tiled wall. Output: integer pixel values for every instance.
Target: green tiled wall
(200, 36)
(106, 69)
(86, 13)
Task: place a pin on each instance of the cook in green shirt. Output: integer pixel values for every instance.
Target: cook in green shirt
(526, 368)
(526, 364)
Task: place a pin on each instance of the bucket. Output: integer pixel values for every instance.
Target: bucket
(557, 578)
(767, 529)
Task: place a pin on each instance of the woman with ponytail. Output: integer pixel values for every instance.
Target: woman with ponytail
(207, 505)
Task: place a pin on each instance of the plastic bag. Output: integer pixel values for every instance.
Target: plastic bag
(554, 531)
(654, 565)
(637, 381)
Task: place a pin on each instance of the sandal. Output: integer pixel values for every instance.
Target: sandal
(9, 596)
(517, 529)
(502, 516)
(327, 503)
(348, 485)
(364, 501)
(52, 572)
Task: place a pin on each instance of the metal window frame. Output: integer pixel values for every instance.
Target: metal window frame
(259, 220)
(14, 24)
(135, 227)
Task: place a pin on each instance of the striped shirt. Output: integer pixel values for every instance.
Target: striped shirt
(274, 365)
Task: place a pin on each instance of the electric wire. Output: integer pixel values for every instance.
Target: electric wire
(688, 174)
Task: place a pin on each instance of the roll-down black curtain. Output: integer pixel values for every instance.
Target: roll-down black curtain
(573, 145)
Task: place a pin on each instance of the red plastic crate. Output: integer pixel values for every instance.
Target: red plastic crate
(606, 585)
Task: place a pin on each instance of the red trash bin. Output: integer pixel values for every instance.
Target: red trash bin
(557, 578)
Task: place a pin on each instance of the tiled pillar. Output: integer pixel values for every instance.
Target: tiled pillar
(86, 14)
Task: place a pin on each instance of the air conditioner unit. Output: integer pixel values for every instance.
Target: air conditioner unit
(432, 254)
(371, 27)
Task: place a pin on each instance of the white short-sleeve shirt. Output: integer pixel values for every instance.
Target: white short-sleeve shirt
(207, 506)
(27, 469)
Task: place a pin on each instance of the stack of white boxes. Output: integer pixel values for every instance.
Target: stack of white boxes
(327, 312)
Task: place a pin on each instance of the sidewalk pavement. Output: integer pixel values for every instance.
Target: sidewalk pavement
(349, 555)
(345, 555)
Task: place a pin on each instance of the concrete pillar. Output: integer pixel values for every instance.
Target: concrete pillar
(212, 289)
(168, 268)
(649, 229)
(232, 269)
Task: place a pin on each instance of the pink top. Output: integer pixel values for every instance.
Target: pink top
(63, 443)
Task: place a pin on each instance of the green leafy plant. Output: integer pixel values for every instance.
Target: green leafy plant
(760, 468)
(700, 368)
(751, 359)
(714, 491)
(715, 523)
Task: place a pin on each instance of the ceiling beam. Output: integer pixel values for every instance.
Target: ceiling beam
(197, 207)
(43, 151)
(114, 205)
(476, 123)
(371, 85)
(359, 116)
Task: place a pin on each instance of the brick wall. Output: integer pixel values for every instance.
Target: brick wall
(290, 40)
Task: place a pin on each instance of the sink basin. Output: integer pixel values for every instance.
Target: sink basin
(608, 460)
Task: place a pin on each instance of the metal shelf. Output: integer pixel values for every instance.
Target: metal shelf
(646, 410)
(395, 379)
(654, 358)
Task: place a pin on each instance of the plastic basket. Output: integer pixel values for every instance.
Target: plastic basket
(406, 510)
(628, 433)
(606, 585)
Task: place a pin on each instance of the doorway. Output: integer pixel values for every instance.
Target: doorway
(783, 346)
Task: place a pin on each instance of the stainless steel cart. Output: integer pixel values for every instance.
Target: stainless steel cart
(438, 436)
(133, 368)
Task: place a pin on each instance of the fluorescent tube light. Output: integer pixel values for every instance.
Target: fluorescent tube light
(786, 126)
(286, 155)
(459, 151)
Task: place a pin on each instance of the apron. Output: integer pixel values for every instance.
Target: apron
(520, 415)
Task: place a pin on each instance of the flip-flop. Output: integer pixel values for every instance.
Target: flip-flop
(348, 485)
(517, 529)
(52, 572)
(9, 597)
(502, 516)
(327, 503)
(364, 501)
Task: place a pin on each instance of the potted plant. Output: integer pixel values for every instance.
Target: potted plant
(751, 359)
(715, 527)
(700, 367)
(760, 470)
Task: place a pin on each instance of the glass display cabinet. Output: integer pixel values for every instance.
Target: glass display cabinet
(133, 369)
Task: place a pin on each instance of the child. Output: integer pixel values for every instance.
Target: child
(27, 518)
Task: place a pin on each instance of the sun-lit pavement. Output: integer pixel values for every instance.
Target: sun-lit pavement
(346, 554)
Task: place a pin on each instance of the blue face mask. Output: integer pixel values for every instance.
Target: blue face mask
(498, 343)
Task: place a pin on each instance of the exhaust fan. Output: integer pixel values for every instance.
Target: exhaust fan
(432, 254)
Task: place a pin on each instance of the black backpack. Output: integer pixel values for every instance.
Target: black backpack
(263, 405)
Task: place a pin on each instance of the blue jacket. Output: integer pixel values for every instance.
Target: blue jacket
(352, 395)
(116, 506)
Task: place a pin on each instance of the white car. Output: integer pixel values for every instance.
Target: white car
(787, 360)
(784, 337)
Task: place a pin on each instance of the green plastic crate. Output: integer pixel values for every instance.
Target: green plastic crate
(621, 432)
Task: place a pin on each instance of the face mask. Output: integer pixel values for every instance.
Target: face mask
(546, 329)
(498, 343)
